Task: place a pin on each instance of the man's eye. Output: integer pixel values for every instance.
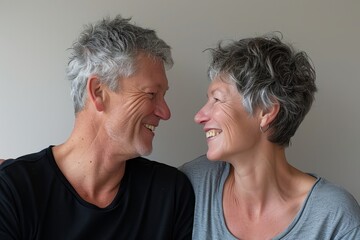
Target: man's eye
(151, 94)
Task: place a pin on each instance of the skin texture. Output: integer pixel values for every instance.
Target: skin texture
(224, 113)
(112, 128)
(139, 101)
(262, 187)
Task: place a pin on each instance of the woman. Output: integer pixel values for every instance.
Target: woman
(260, 92)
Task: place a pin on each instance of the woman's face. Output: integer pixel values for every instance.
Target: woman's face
(230, 130)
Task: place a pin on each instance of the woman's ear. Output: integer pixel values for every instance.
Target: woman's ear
(96, 93)
(268, 115)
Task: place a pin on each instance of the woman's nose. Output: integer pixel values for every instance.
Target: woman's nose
(202, 115)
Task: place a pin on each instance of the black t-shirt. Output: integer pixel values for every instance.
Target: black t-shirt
(154, 201)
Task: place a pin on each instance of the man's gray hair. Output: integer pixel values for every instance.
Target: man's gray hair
(108, 49)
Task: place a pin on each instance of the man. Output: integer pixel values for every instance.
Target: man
(96, 185)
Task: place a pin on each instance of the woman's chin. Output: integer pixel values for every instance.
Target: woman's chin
(212, 157)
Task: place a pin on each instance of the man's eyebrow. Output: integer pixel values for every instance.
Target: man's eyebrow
(166, 88)
(159, 86)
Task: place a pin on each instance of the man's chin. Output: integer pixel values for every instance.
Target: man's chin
(145, 151)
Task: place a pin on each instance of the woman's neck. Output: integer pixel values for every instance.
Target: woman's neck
(264, 193)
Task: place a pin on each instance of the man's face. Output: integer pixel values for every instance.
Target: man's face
(136, 109)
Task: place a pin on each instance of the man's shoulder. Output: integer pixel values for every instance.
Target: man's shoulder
(146, 167)
(144, 163)
(18, 174)
(153, 173)
(23, 161)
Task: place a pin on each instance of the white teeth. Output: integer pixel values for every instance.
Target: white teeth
(212, 133)
(151, 127)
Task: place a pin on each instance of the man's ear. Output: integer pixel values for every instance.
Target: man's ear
(268, 115)
(96, 93)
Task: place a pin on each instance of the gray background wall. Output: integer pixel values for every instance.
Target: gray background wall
(36, 110)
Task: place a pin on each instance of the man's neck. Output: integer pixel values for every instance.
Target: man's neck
(91, 168)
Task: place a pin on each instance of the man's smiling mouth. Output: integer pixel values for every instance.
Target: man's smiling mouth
(212, 133)
(150, 127)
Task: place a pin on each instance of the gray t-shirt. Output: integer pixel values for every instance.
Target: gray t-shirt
(329, 211)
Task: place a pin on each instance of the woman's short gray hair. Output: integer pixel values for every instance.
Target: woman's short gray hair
(108, 49)
(268, 71)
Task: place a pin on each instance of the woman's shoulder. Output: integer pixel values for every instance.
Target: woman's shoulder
(335, 197)
(201, 168)
(327, 189)
(329, 212)
(201, 165)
